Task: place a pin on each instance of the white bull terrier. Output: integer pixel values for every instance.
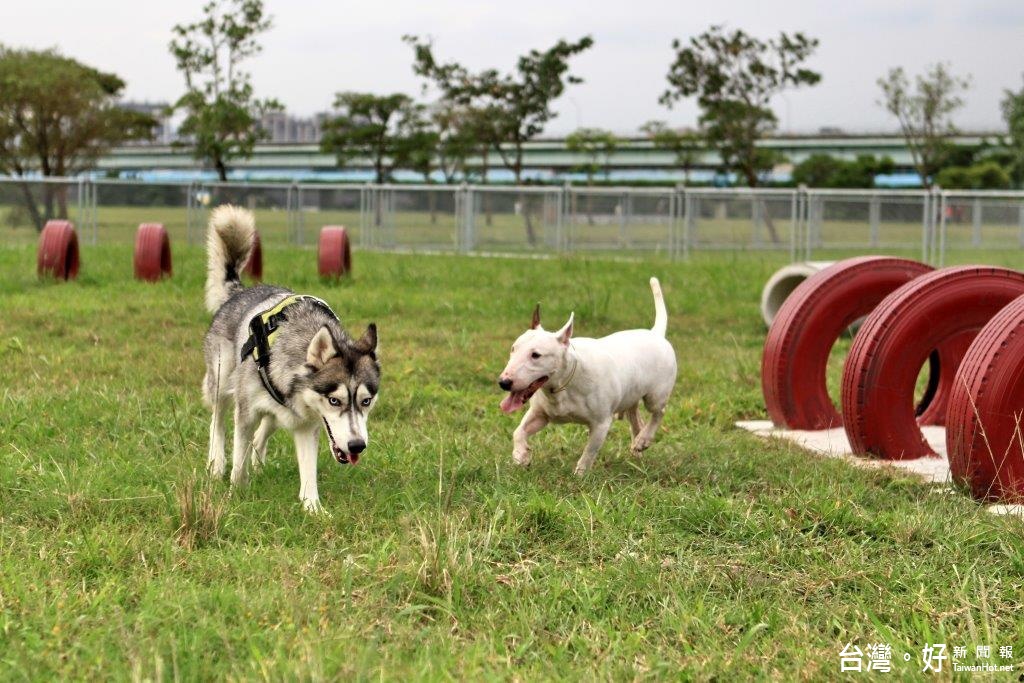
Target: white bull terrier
(589, 381)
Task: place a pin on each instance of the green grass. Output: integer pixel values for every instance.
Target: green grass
(714, 555)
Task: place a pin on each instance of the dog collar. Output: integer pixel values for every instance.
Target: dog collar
(572, 373)
(263, 328)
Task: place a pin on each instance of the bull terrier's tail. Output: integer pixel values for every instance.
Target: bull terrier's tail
(660, 314)
(229, 242)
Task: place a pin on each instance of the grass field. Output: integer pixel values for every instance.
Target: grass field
(715, 555)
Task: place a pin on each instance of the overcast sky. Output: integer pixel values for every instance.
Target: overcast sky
(318, 47)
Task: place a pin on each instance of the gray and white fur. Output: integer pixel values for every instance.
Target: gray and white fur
(323, 375)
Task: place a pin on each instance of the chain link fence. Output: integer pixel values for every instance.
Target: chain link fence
(670, 222)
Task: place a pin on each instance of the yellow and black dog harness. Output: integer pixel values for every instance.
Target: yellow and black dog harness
(263, 329)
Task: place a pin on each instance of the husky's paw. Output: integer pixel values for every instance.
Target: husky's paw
(640, 444)
(522, 458)
(239, 477)
(216, 468)
(313, 507)
(581, 470)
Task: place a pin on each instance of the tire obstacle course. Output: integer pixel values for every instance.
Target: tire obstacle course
(983, 431)
(966, 323)
(334, 253)
(58, 251)
(152, 252)
(58, 256)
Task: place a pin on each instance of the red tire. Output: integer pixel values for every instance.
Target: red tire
(58, 251)
(942, 308)
(334, 253)
(807, 326)
(254, 266)
(983, 434)
(152, 252)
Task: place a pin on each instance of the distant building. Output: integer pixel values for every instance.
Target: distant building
(164, 133)
(285, 128)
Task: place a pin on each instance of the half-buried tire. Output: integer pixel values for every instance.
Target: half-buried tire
(152, 252)
(58, 251)
(254, 266)
(983, 431)
(943, 308)
(807, 325)
(334, 253)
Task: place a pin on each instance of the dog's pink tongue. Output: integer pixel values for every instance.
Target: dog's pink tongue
(513, 402)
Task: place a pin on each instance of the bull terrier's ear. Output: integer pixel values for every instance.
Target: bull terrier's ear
(565, 334)
(535, 323)
(321, 348)
(368, 342)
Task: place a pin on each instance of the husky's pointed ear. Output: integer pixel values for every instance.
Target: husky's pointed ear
(321, 348)
(535, 323)
(368, 342)
(565, 334)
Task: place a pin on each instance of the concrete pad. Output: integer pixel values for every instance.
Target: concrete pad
(832, 443)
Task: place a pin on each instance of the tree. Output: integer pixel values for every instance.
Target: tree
(421, 145)
(1013, 113)
(823, 170)
(985, 175)
(519, 102)
(57, 117)
(376, 127)
(455, 140)
(685, 145)
(597, 146)
(222, 113)
(924, 114)
(734, 76)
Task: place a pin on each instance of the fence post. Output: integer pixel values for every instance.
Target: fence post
(976, 223)
(805, 220)
(1020, 225)
(562, 195)
(466, 232)
(623, 199)
(690, 207)
(874, 217)
(755, 219)
(94, 211)
(290, 202)
(794, 222)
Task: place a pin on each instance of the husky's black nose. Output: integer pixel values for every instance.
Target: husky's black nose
(356, 446)
(505, 384)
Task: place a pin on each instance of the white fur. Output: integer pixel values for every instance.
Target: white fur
(229, 241)
(612, 375)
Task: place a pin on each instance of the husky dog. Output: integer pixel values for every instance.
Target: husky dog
(589, 381)
(286, 361)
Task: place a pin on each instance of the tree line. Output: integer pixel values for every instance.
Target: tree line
(58, 116)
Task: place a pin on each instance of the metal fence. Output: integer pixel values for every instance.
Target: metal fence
(671, 222)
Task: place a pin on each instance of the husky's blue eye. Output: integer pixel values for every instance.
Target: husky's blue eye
(333, 401)
(366, 402)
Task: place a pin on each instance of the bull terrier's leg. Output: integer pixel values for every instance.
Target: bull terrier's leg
(635, 424)
(598, 433)
(533, 422)
(656, 406)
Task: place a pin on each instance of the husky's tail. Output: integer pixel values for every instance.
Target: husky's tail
(660, 314)
(229, 241)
